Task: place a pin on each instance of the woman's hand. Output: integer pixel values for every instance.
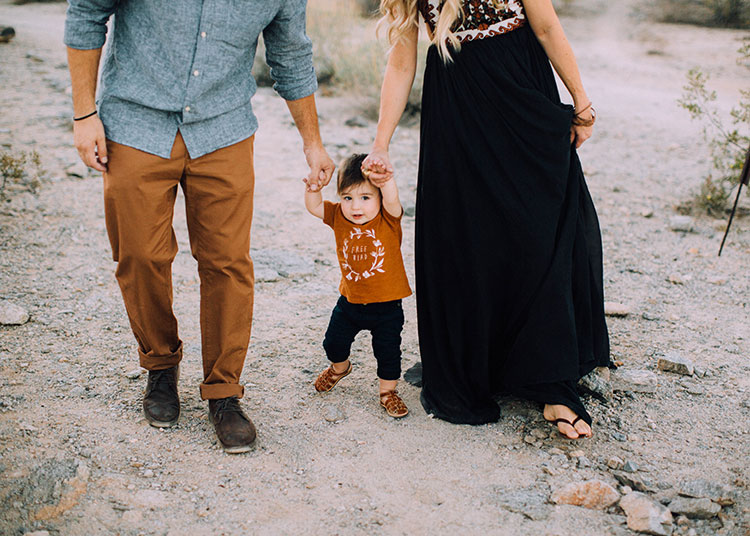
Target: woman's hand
(583, 126)
(579, 134)
(377, 167)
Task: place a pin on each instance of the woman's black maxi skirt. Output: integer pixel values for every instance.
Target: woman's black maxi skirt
(508, 247)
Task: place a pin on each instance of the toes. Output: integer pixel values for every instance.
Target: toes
(583, 429)
(568, 431)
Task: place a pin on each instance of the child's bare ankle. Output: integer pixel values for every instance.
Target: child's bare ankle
(340, 368)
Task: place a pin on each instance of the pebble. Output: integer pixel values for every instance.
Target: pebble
(615, 463)
(77, 169)
(683, 224)
(677, 363)
(133, 374)
(576, 453)
(554, 451)
(594, 494)
(635, 380)
(332, 413)
(632, 480)
(694, 508)
(12, 314)
(649, 316)
(677, 279)
(647, 213)
(630, 467)
(357, 121)
(619, 436)
(693, 388)
(583, 462)
(645, 515)
(616, 309)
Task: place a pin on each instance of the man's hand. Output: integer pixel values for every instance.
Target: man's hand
(89, 139)
(321, 168)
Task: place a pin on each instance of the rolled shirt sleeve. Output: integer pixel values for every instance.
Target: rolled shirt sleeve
(86, 23)
(289, 52)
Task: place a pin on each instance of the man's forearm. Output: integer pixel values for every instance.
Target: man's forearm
(305, 116)
(84, 70)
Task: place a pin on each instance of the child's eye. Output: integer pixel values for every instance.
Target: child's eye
(347, 198)
(365, 197)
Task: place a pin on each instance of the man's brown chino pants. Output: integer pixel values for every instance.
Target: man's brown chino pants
(139, 197)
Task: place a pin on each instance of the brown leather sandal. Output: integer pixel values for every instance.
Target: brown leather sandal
(328, 379)
(393, 404)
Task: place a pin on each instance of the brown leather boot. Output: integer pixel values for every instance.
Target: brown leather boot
(235, 430)
(161, 404)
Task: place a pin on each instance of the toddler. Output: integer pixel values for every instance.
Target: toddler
(367, 226)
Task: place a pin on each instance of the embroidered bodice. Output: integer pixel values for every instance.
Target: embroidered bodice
(480, 18)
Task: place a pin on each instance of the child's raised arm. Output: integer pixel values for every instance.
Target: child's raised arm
(391, 202)
(314, 201)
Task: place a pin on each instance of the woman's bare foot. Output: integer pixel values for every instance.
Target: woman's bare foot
(569, 424)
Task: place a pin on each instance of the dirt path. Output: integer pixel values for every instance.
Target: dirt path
(79, 459)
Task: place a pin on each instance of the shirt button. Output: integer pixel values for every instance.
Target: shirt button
(187, 108)
(203, 35)
(196, 72)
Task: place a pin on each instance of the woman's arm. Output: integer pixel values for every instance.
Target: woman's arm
(547, 28)
(397, 83)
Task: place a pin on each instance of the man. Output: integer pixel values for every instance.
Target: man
(174, 109)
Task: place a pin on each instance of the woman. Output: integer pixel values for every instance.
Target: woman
(508, 248)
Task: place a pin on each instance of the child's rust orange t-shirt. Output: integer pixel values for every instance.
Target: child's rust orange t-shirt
(372, 269)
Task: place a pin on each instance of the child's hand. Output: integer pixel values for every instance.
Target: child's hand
(377, 167)
(311, 186)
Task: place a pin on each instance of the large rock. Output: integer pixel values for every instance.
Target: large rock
(701, 488)
(674, 362)
(637, 381)
(597, 384)
(595, 494)
(11, 314)
(645, 515)
(694, 508)
(270, 264)
(529, 502)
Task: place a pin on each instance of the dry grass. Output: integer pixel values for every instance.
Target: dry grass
(348, 56)
(718, 13)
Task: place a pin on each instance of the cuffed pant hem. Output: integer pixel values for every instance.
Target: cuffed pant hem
(151, 362)
(215, 391)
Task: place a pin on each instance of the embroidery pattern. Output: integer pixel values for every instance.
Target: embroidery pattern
(378, 255)
(481, 18)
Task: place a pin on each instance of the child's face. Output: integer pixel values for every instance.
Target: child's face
(360, 203)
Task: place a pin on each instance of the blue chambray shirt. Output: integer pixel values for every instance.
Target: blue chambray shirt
(185, 65)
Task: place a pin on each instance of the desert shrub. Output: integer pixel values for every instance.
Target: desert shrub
(728, 143)
(721, 13)
(348, 57)
(20, 170)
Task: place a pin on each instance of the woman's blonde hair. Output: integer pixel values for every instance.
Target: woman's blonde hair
(401, 15)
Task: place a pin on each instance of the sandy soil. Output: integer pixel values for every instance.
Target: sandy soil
(78, 458)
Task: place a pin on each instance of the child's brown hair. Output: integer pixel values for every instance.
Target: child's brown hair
(350, 172)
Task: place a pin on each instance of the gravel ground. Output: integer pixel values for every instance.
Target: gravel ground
(78, 458)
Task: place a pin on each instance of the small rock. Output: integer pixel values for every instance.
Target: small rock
(694, 508)
(266, 275)
(133, 374)
(11, 314)
(615, 463)
(554, 451)
(634, 380)
(649, 316)
(632, 480)
(677, 279)
(619, 436)
(333, 414)
(674, 362)
(630, 467)
(6, 34)
(574, 453)
(616, 309)
(647, 213)
(702, 488)
(530, 502)
(77, 169)
(693, 388)
(645, 515)
(717, 280)
(683, 224)
(595, 494)
(583, 462)
(357, 121)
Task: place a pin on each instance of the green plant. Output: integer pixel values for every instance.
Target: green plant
(728, 144)
(13, 169)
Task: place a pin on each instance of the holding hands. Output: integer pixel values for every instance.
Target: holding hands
(377, 167)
